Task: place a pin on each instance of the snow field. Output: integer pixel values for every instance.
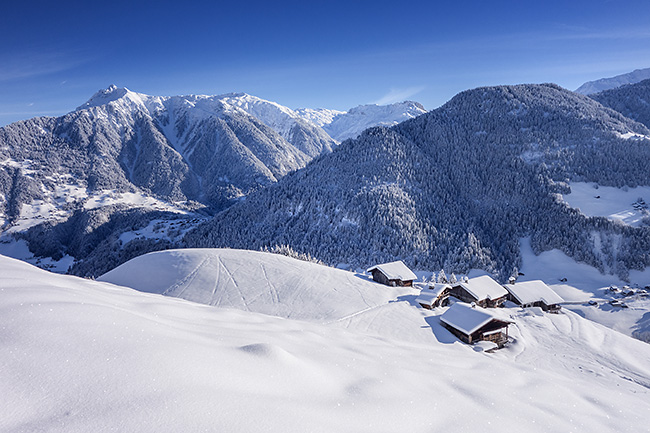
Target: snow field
(81, 356)
(585, 283)
(253, 281)
(616, 204)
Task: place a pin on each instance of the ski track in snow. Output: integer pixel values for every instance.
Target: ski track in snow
(232, 279)
(274, 292)
(350, 316)
(184, 282)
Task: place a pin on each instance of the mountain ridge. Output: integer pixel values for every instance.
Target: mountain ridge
(613, 82)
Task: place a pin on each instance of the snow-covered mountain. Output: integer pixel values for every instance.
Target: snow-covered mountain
(80, 355)
(303, 134)
(613, 82)
(206, 149)
(318, 116)
(632, 100)
(457, 188)
(123, 150)
(343, 125)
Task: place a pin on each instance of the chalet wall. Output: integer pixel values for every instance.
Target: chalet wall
(379, 277)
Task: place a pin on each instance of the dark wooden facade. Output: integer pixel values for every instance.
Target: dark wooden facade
(553, 308)
(379, 277)
(459, 292)
(495, 331)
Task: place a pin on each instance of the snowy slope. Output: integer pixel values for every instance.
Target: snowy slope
(285, 287)
(627, 205)
(254, 281)
(318, 116)
(81, 355)
(580, 284)
(356, 120)
(613, 82)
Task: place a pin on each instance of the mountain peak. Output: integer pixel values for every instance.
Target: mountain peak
(104, 96)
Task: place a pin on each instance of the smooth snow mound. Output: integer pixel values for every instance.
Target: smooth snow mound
(254, 281)
(80, 356)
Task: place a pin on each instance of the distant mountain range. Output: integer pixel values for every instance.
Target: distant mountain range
(610, 83)
(123, 150)
(457, 188)
(351, 123)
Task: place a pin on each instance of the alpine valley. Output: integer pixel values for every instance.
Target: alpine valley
(255, 317)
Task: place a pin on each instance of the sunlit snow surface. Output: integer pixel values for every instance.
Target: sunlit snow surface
(81, 356)
(579, 283)
(620, 204)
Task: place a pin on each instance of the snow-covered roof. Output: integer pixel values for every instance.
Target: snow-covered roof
(438, 288)
(484, 287)
(467, 319)
(395, 271)
(528, 292)
(427, 297)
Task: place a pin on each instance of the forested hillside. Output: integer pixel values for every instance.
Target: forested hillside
(632, 101)
(457, 188)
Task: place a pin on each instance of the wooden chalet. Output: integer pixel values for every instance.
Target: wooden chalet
(434, 296)
(482, 291)
(393, 274)
(471, 324)
(534, 294)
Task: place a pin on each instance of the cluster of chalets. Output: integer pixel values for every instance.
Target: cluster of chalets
(470, 315)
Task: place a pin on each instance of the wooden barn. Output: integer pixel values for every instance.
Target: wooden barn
(472, 324)
(434, 296)
(393, 274)
(482, 291)
(534, 294)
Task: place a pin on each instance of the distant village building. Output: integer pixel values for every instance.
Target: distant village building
(472, 324)
(393, 274)
(534, 294)
(482, 291)
(434, 296)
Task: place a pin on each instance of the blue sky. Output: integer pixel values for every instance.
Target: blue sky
(334, 54)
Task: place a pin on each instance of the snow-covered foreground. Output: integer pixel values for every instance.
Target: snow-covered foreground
(79, 355)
